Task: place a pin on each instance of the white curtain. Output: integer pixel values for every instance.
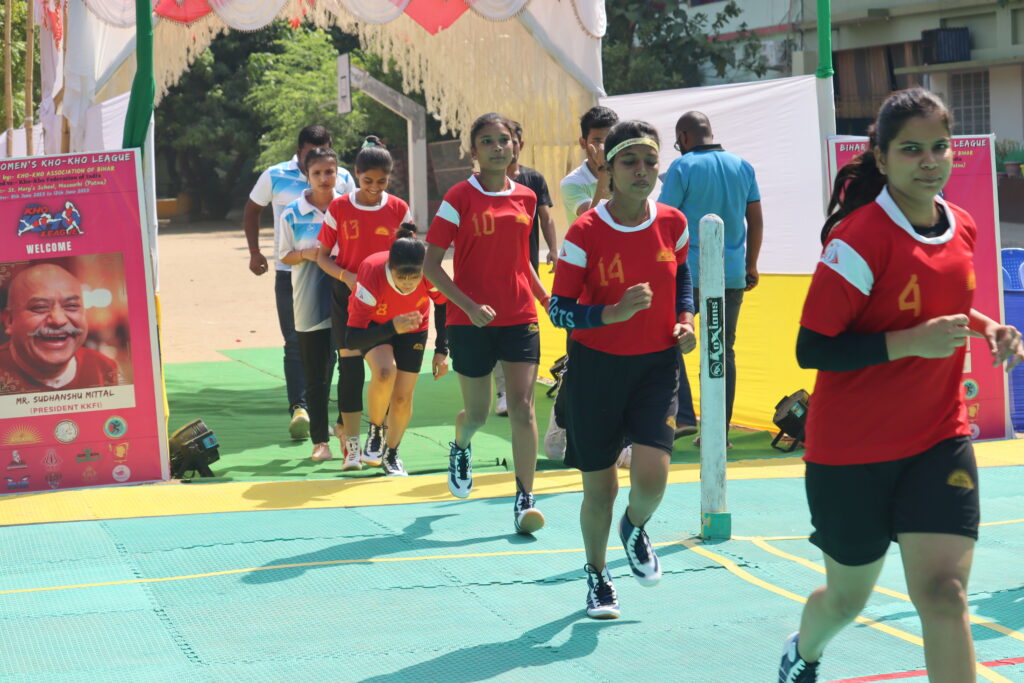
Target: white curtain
(373, 11)
(497, 10)
(247, 15)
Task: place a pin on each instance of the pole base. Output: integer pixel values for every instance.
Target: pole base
(716, 526)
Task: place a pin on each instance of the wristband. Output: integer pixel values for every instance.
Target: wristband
(254, 250)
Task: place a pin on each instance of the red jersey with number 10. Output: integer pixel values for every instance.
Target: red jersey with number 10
(377, 300)
(362, 230)
(601, 259)
(491, 232)
(877, 274)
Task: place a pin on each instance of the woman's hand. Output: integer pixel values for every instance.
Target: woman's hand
(1004, 341)
(686, 336)
(408, 322)
(935, 338)
(439, 365)
(349, 278)
(636, 298)
(480, 315)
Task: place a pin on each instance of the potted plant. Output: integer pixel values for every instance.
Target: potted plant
(1009, 156)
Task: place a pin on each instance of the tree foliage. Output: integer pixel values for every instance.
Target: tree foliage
(662, 45)
(19, 15)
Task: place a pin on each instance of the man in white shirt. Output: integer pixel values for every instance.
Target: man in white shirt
(280, 185)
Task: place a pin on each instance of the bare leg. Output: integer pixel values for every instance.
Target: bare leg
(476, 397)
(401, 407)
(382, 382)
(833, 606)
(520, 379)
(599, 491)
(937, 567)
(648, 476)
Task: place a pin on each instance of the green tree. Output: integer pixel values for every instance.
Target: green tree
(662, 45)
(19, 14)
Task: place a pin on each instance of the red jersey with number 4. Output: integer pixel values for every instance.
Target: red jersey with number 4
(491, 232)
(877, 274)
(361, 230)
(601, 259)
(377, 300)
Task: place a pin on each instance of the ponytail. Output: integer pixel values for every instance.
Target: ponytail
(407, 253)
(373, 156)
(857, 184)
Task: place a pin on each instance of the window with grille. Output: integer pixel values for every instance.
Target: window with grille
(969, 102)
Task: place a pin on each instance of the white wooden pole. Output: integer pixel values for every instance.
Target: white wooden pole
(716, 521)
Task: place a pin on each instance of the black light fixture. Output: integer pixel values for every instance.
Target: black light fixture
(791, 418)
(193, 448)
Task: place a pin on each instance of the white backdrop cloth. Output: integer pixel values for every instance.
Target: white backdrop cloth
(773, 125)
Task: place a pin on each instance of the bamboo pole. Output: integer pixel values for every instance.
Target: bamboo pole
(30, 64)
(8, 82)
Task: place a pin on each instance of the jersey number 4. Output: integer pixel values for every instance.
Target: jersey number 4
(613, 271)
(910, 297)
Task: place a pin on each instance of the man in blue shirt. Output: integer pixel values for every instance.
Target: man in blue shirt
(707, 179)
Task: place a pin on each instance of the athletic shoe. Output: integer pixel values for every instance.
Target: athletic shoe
(625, 457)
(299, 425)
(393, 466)
(642, 559)
(793, 668)
(602, 602)
(353, 458)
(501, 405)
(528, 518)
(460, 470)
(373, 451)
(554, 439)
(684, 430)
(321, 452)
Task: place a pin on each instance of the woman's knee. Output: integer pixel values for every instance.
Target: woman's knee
(943, 595)
(385, 373)
(847, 604)
(520, 408)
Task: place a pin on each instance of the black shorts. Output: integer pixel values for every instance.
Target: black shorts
(857, 510)
(339, 313)
(476, 350)
(408, 349)
(610, 398)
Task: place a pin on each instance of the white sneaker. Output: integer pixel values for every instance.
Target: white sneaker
(625, 457)
(321, 452)
(554, 439)
(298, 428)
(353, 455)
(373, 450)
(393, 466)
(501, 405)
(526, 517)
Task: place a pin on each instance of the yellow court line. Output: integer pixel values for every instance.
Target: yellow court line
(984, 623)
(691, 544)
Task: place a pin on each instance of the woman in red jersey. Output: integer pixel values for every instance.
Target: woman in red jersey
(387, 320)
(358, 224)
(621, 286)
(491, 316)
(885, 323)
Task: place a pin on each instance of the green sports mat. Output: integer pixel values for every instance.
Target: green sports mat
(243, 401)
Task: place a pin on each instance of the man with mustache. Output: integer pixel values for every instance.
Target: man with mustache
(45, 321)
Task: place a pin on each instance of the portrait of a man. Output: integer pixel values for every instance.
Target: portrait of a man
(45, 322)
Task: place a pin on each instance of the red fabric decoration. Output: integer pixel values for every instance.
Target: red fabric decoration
(435, 15)
(182, 11)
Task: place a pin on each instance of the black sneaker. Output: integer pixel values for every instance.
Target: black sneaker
(793, 668)
(642, 558)
(393, 466)
(373, 451)
(602, 603)
(460, 470)
(528, 518)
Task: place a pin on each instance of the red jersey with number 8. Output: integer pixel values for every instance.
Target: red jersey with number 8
(491, 232)
(877, 274)
(378, 300)
(601, 259)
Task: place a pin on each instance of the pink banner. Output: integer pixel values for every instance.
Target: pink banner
(80, 395)
(972, 186)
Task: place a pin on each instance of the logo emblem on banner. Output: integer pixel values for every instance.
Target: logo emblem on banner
(36, 219)
(971, 389)
(66, 431)
(15, 484)
(51, 461)
(88, 455)
(714, 307)
(21, 435)
(119, 451)
(89, 475)
(17, 462)
(115, 427)
(53, 479)
(121, 473)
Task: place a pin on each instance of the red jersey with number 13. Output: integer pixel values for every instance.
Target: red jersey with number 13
(362, 230)
(877, 274)
(601, 259)
(491, 232)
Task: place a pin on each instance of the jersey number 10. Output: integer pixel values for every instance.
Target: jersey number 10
(484, 224)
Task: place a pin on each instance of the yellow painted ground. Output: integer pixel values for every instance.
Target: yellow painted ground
(173, 498)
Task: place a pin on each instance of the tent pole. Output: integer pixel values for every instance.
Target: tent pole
(8, 84)
(826, 93)
(30, 63)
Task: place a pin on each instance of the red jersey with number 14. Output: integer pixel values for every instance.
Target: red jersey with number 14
(877, 274)
(491, 232)
(601, 259)
(361, 230)
(377, 300)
